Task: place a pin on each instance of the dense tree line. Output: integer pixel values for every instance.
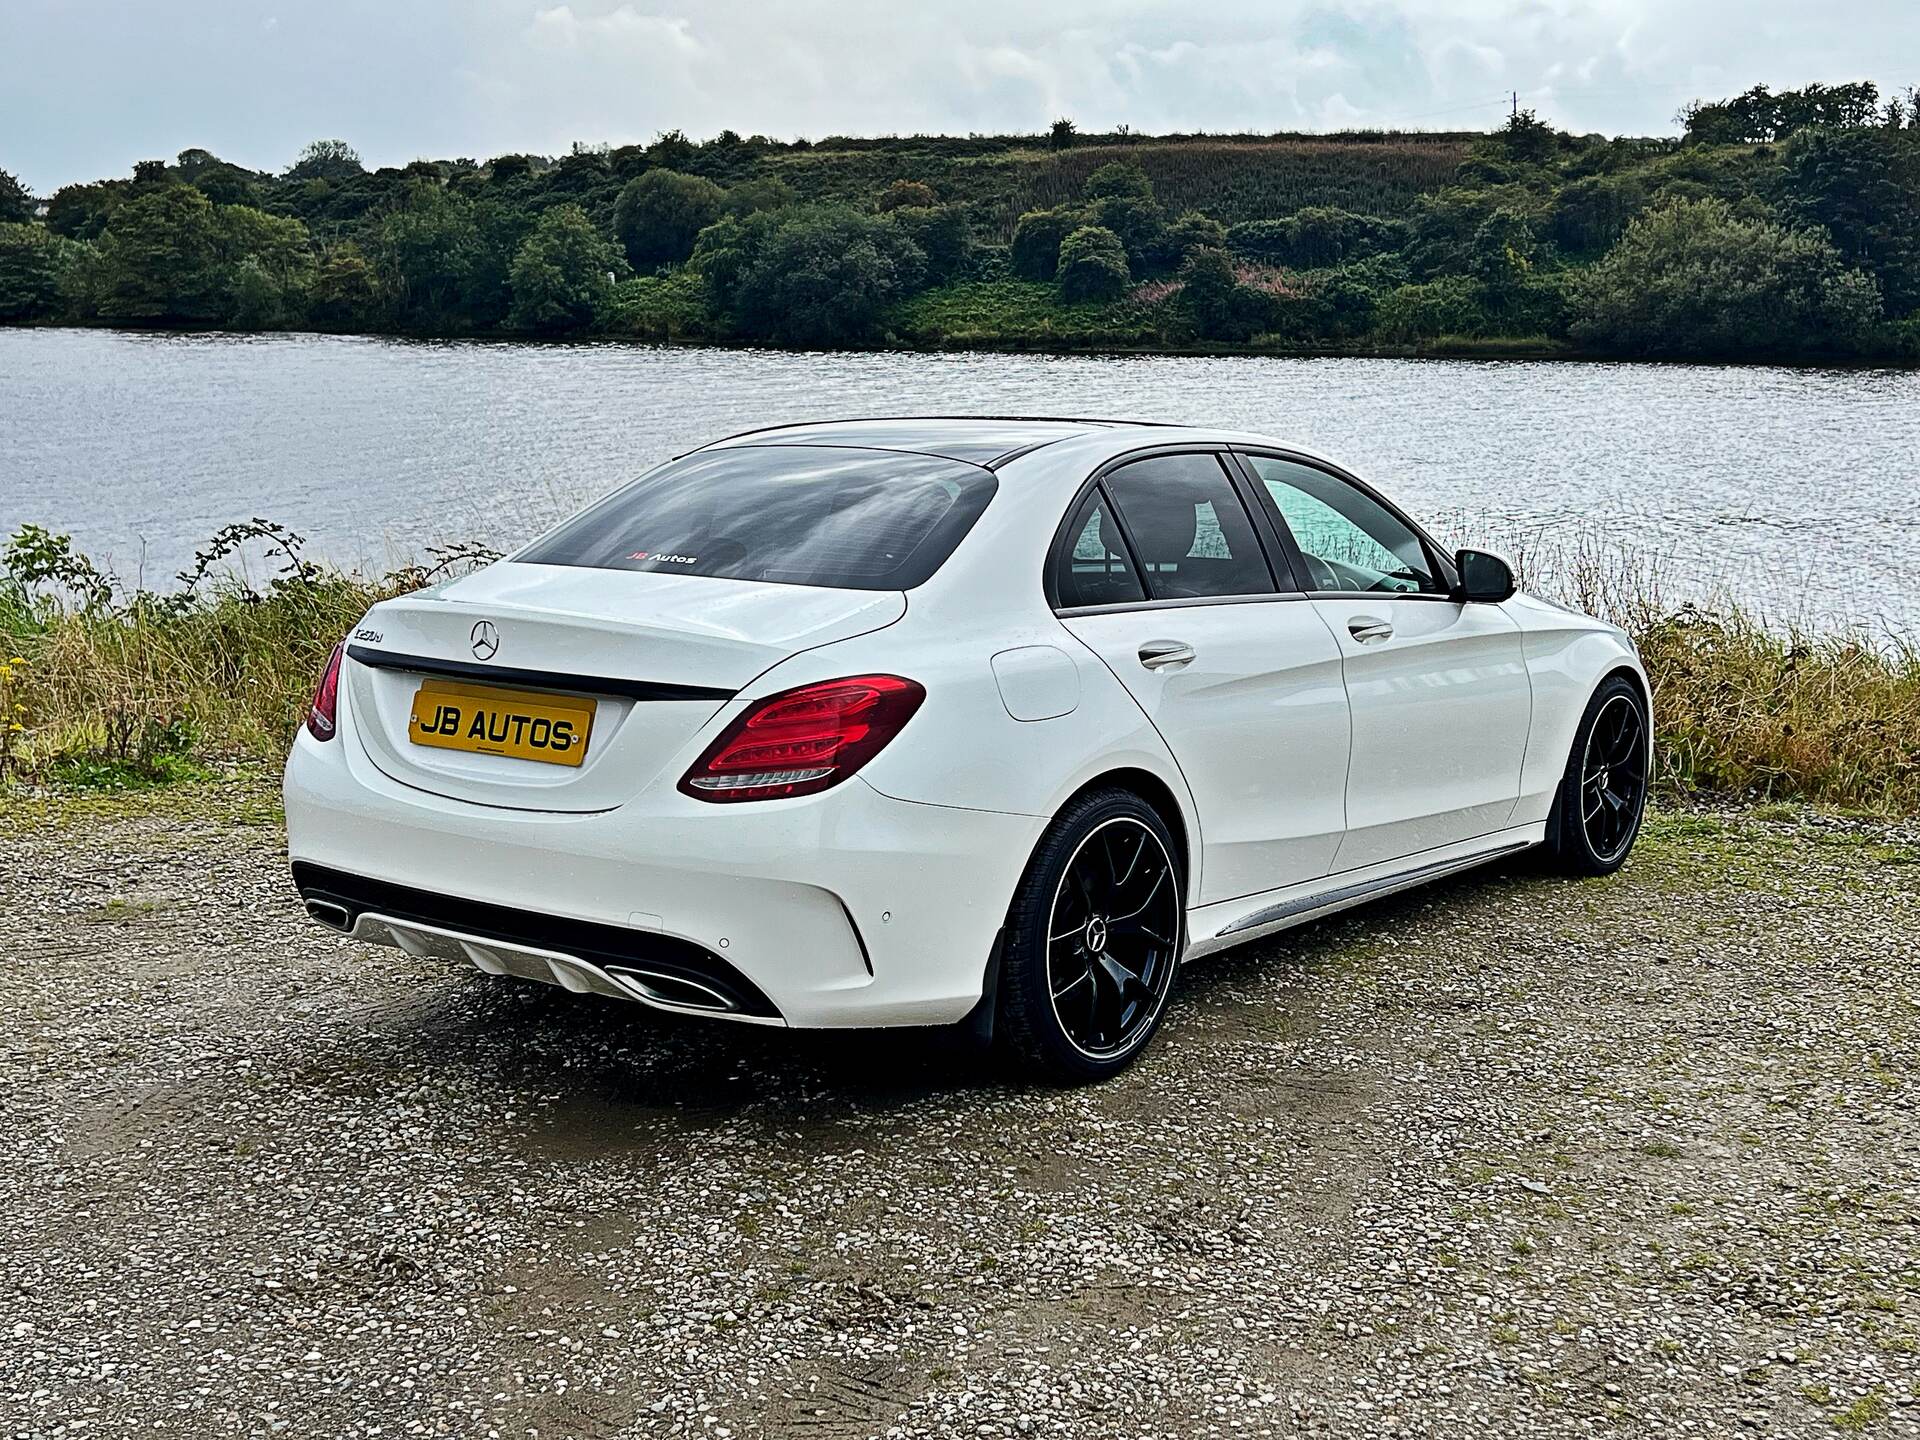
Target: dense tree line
(1780, 225)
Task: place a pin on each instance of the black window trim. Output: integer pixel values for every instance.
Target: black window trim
(1281, 568)
(1442, 563)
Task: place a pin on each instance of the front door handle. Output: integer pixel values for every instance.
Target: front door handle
(1369, 628)
(1157, 653)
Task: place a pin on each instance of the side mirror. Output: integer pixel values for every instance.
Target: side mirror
(1484, 577)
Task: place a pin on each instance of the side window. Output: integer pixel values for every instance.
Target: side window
(1191, 532)
(1093, 568)
(1351, 542)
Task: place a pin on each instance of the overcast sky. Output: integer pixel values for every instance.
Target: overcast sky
(94, 85)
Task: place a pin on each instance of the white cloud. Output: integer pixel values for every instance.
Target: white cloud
(112, 83)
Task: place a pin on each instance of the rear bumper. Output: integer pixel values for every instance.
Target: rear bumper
(846, 908)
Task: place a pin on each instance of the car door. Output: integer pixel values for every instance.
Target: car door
(1439, 691)
(1161, 573)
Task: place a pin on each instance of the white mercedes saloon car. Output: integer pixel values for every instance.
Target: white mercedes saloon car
(944, 721)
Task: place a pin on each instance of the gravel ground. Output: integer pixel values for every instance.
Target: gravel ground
(1510, 1154)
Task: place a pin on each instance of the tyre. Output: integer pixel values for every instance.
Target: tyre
(1603, 795)
(1093, 939)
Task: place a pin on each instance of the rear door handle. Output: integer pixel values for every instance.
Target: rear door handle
(1368, 628)
(1157, 653)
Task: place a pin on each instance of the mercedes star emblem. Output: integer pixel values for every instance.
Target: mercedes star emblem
(486, 640)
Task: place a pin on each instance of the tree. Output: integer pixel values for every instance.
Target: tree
(80, 212)
(563, 275)
(16, 205)
(672, 150)
(1035, 253)
(942, 235)
(659, 214)
(1193, 231)
(160, 260)
(768, 192)
(1502, 252)
(32, 265)
(1691, 278)
(424, 253)
(343, 289)
(1207, 286)
(331, 160)
(1591, 213)
(820, 275)
(1863, 188)
(1093, 265)
(1527, 138)
(1063, 134)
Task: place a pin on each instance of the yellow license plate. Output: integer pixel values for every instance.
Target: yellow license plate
(490, 721)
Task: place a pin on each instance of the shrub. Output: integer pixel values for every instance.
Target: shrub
(820, 276)
(906, 194)
(1035, 251)
(1192, 231)
(1691, 278)
(32, 264)
(1316, 237)
(1093, 265)
(1117, 180)
(562, 275)
(1447, 306)
(1592, 213)
(658, 215)
(942, 235)
(1863, 188)
(659, 307)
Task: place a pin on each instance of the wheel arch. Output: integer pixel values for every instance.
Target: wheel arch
(1158, 794)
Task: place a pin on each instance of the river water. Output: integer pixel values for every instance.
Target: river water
(1794, 491)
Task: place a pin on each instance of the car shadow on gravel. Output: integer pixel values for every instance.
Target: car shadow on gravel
(603, 1068)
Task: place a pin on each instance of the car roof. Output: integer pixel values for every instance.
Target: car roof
(988, 440)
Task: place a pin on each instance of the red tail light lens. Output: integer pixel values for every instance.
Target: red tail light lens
(326, 699)
(804, 740)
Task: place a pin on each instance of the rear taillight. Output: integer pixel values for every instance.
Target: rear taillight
(804, 740)
(326, 699)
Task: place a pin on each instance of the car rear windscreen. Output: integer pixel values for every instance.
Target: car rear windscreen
(789, 514)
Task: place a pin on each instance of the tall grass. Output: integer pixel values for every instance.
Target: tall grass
(125, 688)
(139, 688)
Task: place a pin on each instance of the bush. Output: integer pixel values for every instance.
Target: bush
(1447, 306)
(562, 275)
(1117, 180)
(905, 195)
(1035, 251)
(658, 216)
(1316, 237)
(33, 263)
(942, 235)
(660, 307)
(1691, 278)
(1192, 231)
(1591, 214)
(821, 276)
(1093, 265)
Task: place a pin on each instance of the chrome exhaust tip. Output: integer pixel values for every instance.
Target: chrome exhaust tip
(333, 916)
(677, 991)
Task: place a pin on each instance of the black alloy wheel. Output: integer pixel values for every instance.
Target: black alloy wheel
(1603, 794)
(1094, 940)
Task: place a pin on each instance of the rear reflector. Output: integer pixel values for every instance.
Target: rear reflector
(326, 699)
(805, 740)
